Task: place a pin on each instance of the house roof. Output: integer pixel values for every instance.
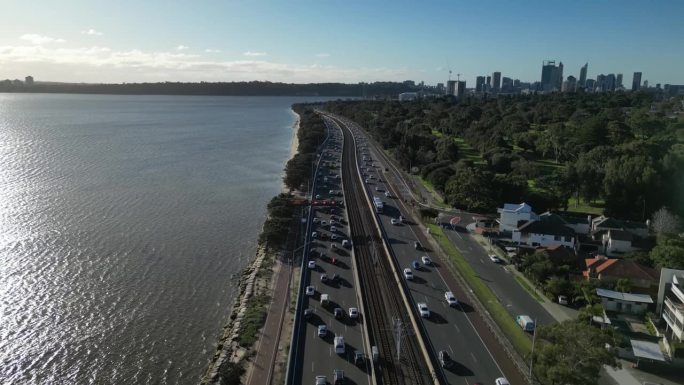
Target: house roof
(642, 298)
(522, 207)
(621, 268)
(549, 225)
(573, 219)
(620, 235)
(607, 222)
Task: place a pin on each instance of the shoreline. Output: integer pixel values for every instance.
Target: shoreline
(254, 282)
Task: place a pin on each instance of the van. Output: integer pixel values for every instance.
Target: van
(525, 322)
(501, 381)
(325, 299)
(339, 345)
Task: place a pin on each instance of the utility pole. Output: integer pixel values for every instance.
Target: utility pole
(399, 332)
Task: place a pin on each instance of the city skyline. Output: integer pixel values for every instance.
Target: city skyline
(85, 41)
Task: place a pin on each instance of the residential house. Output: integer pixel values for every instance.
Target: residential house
(513, 214)
(619, 242)
(606, 223)
(581, 225)
(545, 230)
(671, 302)
(609, 270)
(624, 302)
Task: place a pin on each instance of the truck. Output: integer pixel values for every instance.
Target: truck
(525, 322)
(377, 202)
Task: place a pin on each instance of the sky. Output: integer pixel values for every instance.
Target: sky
(337, 41)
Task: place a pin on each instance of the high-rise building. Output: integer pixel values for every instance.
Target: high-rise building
(496, 81)
(28, 80)
(583, 75)
(590, 84)
(552, 75)
(570, 84)
(618, 82)
(451, 87)
(636, 81)
(460, 88)
(489, 81)
(440, 87)
(600, 83)
(516, 83)
(610, 82)
(645, 84)
(506, 84)
(479, 83)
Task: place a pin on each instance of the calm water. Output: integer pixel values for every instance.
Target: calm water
(123, 222)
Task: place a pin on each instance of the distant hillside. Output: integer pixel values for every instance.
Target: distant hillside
(233, 88)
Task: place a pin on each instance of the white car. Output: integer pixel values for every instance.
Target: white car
(321, 380)
(322, 331)
(315, 220)
(501, 381)
(377, 188)
(494, 258)
(310, 291)
(394, 221)
(333, 229)
(345, 243)
(312, 264)
(426, 260)
(314, 235)
(408, 274)
(387, 194)
(423, 310)
(353, 313)
(451, 300)
(332, 222)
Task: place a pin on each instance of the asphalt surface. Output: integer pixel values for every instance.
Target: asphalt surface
(509, 292)
(457, 330)
(317, 355)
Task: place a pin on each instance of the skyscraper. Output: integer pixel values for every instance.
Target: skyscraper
(460, 88)
(583, 75)
(552, 75)
(489, 81)
(600, 83)
(618, 82)
(570, 84)
(496, 81)
(28, 80)
(636, 81)
(610, 82)
(451, 87)
(506, 84)
(479, 83)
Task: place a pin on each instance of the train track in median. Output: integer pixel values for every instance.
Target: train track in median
(378, 286)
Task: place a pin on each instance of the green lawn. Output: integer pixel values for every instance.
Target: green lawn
(595, 207)
(465, 151)
(507, 324)
(431, 188)
(437, 134)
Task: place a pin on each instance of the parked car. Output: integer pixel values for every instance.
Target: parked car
(338, 377)
(415, 265)
(417, 245)
(426, 260)
(310, 291)
(321, 380)
(312, 264)
(562, 300)
(494, 258)
(308, 313)
(353, 313)
(324, 278)
(408, 274)
(501, 381)
(359, 358)
(338, 312)
(394, 221)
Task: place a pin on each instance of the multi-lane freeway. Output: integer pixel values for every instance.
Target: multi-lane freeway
(435, 331)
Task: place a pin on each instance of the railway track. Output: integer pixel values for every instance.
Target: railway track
(378, 287)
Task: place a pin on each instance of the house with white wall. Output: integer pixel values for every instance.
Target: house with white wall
(511, 215)
(547, 229)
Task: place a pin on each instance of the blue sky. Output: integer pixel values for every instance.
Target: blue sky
(332, 40)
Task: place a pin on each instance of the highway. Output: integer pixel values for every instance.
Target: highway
(316, 355)
(459, 330)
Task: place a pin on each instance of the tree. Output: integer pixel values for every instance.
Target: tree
(669, 253)
(623, 285)
(470, 189)
(572, 353)
(664, 222)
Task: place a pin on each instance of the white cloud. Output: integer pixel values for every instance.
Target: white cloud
(250, 53)
(91, 32)
(211, 50)
(322, 55)
(182, 47)
(98, 64)
(40, 39)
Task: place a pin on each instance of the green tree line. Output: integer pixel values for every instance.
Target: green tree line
(625, 150)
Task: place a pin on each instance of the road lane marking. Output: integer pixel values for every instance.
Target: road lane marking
(472, 355)
(452, 351)
(457, 328)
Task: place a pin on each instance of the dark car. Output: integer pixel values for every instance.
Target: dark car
(338, 377)
(338, 312)
(444, 359)
(415, 265)
(359, 358)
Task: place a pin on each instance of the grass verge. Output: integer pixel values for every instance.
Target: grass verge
(512, 331)
(528, 288)
(255, 316)
(431, 189)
